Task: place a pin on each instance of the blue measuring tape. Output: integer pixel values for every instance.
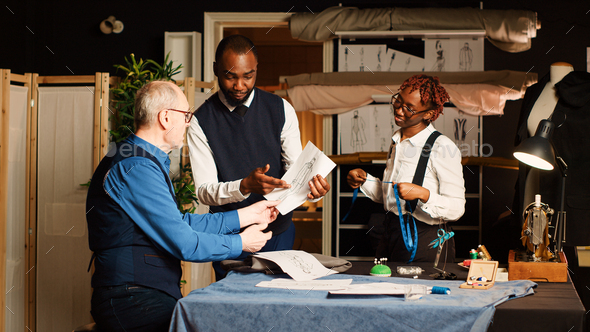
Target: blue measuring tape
(354, 195)
(411, 244)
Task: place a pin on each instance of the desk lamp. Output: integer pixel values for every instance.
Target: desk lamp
(538, 152)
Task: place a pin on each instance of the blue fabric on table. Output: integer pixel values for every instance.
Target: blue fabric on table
(235, 304)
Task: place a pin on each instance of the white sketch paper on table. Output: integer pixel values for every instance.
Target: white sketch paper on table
(312, 161)
(299, 265)
(374, 288)
(306, 285)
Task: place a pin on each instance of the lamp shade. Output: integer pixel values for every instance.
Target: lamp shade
(537, 151)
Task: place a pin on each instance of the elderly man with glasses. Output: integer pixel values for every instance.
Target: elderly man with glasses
(135, 230)
(423, 180)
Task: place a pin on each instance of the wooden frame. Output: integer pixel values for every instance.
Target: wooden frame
(190, 85)
(101, 101)
(5, 83)
(4, 127)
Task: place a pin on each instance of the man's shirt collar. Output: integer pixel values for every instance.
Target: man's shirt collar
(160, 155)
(223, 99)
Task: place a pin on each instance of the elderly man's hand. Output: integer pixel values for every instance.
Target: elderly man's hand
(253, 239)
(263, 212)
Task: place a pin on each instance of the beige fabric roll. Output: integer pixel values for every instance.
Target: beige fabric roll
(507, 78)
(510, 30)
(473, 99)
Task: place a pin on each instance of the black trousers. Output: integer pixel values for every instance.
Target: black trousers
(129, 308)
(393, 248)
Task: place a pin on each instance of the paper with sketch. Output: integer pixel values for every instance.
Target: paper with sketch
(301, 266)
(306, 285)
(312, 161)
(375, 288)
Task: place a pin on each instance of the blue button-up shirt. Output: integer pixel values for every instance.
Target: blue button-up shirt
(139, 187)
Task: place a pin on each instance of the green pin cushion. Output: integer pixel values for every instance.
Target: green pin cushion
(381, 271)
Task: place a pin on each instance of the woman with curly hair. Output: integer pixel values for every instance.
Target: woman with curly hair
(422, 187)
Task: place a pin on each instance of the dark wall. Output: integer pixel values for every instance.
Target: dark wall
(61, 38)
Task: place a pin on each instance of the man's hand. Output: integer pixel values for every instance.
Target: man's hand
(318, 186)
(253, 239)
(263, 212)
(259, 183)
(356, 178)
(410, 192)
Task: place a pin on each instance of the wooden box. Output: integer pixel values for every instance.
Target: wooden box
(487, 269)
(537, 271)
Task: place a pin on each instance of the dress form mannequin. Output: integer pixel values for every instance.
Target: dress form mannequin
(546, 102)
(543, 108)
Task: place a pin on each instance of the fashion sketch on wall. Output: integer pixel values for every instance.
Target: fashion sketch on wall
(439, 63)
(462, 54)
(465, 58)
(367, 128)
(375, 57)
(462, 128)
(358, 137)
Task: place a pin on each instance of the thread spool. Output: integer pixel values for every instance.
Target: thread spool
(440, 290)
(486, 255)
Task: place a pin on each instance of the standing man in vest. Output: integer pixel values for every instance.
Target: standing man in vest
(135, 229)
(243, 140)
(435, 192)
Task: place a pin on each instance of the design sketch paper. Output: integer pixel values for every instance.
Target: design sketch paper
(375, 288)
(367, 128)
(300, 265)
(462, 54)
(312, 161)
(401, 61)
(306, 285)
(461, 128)
(370, 58)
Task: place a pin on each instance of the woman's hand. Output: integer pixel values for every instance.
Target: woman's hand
(356, 178)
(410, 192)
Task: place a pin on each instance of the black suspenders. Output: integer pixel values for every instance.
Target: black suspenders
(422, 163)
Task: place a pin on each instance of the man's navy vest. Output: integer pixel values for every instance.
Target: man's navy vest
(241, 144)
(123, 252)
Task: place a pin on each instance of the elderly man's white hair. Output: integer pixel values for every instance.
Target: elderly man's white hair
(151, 99)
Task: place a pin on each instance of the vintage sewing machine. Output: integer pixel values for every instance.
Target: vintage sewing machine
(537, 262)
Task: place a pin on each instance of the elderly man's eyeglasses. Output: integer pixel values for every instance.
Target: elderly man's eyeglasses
(397, 103)
(188, 115)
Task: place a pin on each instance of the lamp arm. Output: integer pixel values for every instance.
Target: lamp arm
(562, 165)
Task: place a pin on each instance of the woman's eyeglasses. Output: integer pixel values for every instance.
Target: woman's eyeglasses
(397, 103)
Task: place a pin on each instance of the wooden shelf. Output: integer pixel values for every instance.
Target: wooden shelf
(371, 157)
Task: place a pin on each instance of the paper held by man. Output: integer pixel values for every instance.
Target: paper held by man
(312, 161)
